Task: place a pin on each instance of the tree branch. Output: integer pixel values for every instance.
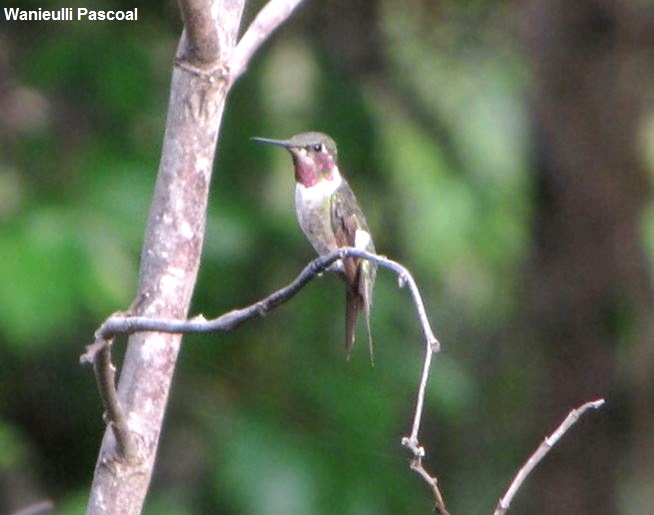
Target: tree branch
(273, 14)
(412, 443)
(122, 323)
(439, 503)
(545, 447)
(201, 39)
(113, 413)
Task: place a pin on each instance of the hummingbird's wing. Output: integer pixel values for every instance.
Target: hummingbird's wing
(347, 218)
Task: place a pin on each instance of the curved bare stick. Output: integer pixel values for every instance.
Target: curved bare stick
(273, 14)
(105, 374)
(545, 447)
(122, 323)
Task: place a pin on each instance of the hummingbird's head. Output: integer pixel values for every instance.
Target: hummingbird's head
(314, 156)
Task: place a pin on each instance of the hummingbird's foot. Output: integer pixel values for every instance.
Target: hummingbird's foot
(337, 267)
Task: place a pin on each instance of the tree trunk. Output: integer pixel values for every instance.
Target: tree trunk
(172, 247)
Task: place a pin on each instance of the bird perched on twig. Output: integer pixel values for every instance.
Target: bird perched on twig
(330, 217)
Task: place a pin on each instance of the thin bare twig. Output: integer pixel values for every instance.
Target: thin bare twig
(412, 443)
(273, 14)
(439, 503)
(105, 373)
(123, 323)
(545, 447)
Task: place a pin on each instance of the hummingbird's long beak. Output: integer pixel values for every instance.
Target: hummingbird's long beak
(278, 142)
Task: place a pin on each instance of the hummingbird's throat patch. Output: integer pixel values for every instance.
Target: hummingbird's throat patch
(313, 168)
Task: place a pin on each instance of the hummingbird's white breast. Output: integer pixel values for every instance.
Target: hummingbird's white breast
(313, 208)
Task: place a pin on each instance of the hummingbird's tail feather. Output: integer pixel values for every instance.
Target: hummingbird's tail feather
(370, 349)
(358, 298)
(366, 284)
(352, 308)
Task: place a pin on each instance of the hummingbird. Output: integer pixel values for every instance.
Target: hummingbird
(330, 217)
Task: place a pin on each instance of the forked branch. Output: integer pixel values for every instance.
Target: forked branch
(273, 14)
(123, 323)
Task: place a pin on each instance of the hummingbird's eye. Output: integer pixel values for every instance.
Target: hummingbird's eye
(318, 148)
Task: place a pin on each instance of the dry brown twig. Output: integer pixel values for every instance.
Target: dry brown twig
(98, 353)
(545, 447)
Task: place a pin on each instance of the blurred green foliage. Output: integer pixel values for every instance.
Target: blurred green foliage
(270, 419)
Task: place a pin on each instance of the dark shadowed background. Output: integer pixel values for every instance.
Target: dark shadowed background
(503, 151)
